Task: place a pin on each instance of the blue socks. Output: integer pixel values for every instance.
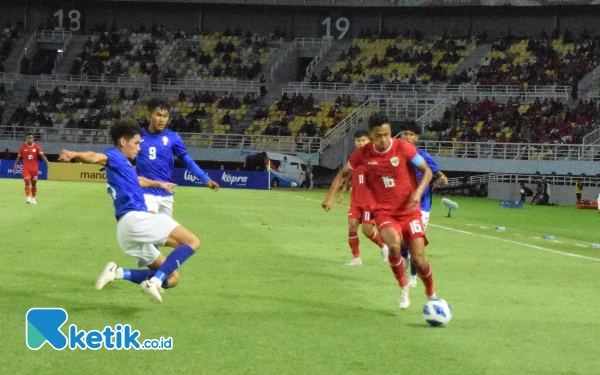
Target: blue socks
(406, 255)
(173, 262)
(137, 276)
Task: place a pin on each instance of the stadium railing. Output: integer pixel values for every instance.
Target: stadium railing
(512, 178)
(68, 82)
(438, 90)
(9, 79)
(508, 151)
(568, 180)
(296, 43)
(205, 140)
(203, 85)
(393, 108)
(325, 47)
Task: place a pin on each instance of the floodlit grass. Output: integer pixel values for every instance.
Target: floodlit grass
(268, 292)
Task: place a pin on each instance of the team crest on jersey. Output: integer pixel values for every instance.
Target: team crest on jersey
(165, 140)
(395, 161)
(33, 150)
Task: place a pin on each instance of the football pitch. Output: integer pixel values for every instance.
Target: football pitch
(268, 291)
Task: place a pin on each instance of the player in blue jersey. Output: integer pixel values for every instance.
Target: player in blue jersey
(410, 133)
(155, 160)
(138, 229)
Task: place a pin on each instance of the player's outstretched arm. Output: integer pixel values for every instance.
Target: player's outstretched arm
(335, 186)
(415, 199)
(45, 159)
(16, 164)
(191, 165)
(88, 157)
(168, 186)
(339, 196)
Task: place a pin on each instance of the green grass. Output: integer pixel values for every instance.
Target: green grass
(268, 292)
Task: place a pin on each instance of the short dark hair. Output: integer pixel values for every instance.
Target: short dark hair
(376, 120)
(29, 134)
(361, 133)
(127, 128)
(158, 103)
(411, 126)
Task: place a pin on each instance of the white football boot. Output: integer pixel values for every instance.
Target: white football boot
(108, 275)
(355, 262)
(384, 253)
(404, 297)
(152, 290)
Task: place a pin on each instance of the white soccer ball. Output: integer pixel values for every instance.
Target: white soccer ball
(521, 191)
(437, 312)
(293, 184)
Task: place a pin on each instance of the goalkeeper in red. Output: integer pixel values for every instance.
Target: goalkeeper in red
(391, 166)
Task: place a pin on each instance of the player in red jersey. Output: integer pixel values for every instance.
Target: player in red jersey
(30, 152)
(391, 175)
(361, 205)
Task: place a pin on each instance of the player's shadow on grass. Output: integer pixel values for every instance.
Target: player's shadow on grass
(318, 307)
(72, 305)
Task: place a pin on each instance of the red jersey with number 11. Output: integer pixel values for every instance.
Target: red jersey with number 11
(361, 195)
(30, 156)
(390, 174)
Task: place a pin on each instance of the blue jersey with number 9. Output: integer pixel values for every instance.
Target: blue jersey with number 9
(155, 161)
(123, 185)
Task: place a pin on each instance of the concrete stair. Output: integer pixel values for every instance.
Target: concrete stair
(74, 48)
(18, 96)
(12, 63)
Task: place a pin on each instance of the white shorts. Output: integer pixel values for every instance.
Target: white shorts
(159, 205)
(424, 218)
(138, 231)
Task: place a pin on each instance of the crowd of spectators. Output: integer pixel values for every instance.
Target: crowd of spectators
(81, 109)
(554, 60)
(543, 121)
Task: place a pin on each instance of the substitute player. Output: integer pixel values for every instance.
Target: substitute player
(30, 152)
(155, 159)
(361, 205)
(138, 229)
(391, 176)
(410, 133)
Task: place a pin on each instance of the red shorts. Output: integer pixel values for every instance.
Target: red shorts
(363, 215)
(409, 226)
(30, 174)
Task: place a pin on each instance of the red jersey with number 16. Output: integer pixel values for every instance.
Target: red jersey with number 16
(391, 176)
(361, 195)
(30, 156)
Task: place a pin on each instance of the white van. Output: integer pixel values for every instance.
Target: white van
(286, 169)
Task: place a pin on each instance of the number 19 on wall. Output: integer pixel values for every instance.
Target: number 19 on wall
(341, 27)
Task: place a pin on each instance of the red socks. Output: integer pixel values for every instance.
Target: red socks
(353, 242)
(28, 190)
(33, 190)
(427, 278)
(376, 238)
(398, 270)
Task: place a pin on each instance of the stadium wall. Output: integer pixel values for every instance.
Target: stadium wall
(561, 195)
(302, 21)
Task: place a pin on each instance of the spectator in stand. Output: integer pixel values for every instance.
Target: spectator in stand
(578, 190)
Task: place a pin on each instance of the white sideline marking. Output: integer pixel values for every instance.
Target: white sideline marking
(523, 244)
(498, 239)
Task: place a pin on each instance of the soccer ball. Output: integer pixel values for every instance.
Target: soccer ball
(437, 312)
(293, 184)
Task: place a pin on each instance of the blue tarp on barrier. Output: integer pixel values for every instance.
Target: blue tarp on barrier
(225, 178)
(6, 170)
